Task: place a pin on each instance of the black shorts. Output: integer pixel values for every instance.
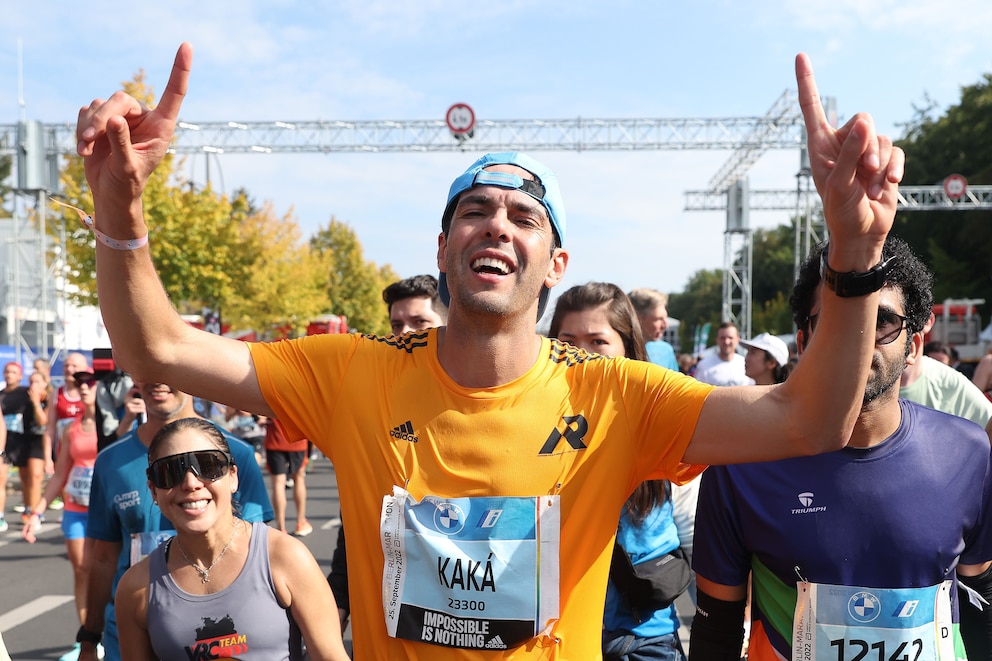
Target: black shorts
(20, 448)
(281, 462)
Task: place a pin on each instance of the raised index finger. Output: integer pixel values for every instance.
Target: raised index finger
(809, 96)
(175, 89)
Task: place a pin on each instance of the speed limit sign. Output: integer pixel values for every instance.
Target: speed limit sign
(955, 186)
(460, 119)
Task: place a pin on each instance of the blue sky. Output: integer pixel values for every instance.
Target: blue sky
(373, 59)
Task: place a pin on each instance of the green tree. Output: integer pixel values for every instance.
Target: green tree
(772, 271)
(701, 302)
(354, 286)
(957, 245)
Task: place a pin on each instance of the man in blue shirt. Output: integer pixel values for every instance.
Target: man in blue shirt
(651, 307)
(125, 524)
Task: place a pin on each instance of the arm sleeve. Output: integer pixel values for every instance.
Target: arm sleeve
(717, 632)
(976, 622)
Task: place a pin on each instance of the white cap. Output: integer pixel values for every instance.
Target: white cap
(775, 347)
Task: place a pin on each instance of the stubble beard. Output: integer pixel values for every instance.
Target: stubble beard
(884, 378)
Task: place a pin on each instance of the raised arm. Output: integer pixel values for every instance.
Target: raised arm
(857, 174)
(122, 143)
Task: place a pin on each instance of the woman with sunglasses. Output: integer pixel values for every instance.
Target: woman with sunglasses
(72, 479)
(599, 318)
(221, 587)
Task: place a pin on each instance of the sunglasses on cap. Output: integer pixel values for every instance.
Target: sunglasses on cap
(208, 465)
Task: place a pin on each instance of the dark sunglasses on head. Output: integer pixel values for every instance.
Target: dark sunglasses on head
(888, 326)
(208, 465)
(85, 380)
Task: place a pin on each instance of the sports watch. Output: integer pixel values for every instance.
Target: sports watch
(853, 283)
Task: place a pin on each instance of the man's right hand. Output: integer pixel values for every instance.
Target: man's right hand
(122, 142)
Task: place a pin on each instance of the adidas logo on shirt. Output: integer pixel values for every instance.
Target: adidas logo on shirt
(496, 644)
(404, 432)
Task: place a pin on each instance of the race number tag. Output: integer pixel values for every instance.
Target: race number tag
(473, 573)
(77, 487)
(14, 422)
(844, 623)
(143, 543)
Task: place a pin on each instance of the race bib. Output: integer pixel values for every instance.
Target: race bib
(843, 623)
(472, 573)
(143, 543)
(77, 486)
(14, 423)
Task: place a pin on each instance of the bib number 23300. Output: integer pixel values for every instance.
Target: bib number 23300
(472, 573)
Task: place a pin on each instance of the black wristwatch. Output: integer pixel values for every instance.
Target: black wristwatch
(853, 284)
(84, 635)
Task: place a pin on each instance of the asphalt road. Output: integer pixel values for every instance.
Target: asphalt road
(37, 611)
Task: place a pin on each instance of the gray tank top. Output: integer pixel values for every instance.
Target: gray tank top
(243, 621)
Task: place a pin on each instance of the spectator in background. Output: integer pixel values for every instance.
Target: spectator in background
(934, 383)
(73, 477)
(65, 405)
(112, 392)
(287, 459)
(767, 359)
(413, 304)
(651, 307)
(725, 367)
(42, 366)
(25, 415)
(599, 318)
(245, 425)
(939, 351)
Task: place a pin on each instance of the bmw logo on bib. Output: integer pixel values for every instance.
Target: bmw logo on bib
(449, 518)
(863, 606)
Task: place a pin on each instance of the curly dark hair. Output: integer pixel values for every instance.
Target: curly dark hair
(910, 276)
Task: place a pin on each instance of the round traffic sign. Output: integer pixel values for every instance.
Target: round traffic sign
(460, 119)
(955, 186)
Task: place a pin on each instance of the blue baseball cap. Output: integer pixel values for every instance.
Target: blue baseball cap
(543, 188)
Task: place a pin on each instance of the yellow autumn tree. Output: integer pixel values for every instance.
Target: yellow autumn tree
(285, 286)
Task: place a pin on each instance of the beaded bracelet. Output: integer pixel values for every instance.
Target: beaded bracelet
(116, 244)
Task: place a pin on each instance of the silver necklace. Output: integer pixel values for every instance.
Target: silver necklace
(205, 573)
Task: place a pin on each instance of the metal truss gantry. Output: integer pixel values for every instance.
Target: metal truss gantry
(780, 128)
(272, 137)
(911, 198)
(737, 200)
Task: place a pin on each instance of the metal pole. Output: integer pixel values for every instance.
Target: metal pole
(42, 325)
